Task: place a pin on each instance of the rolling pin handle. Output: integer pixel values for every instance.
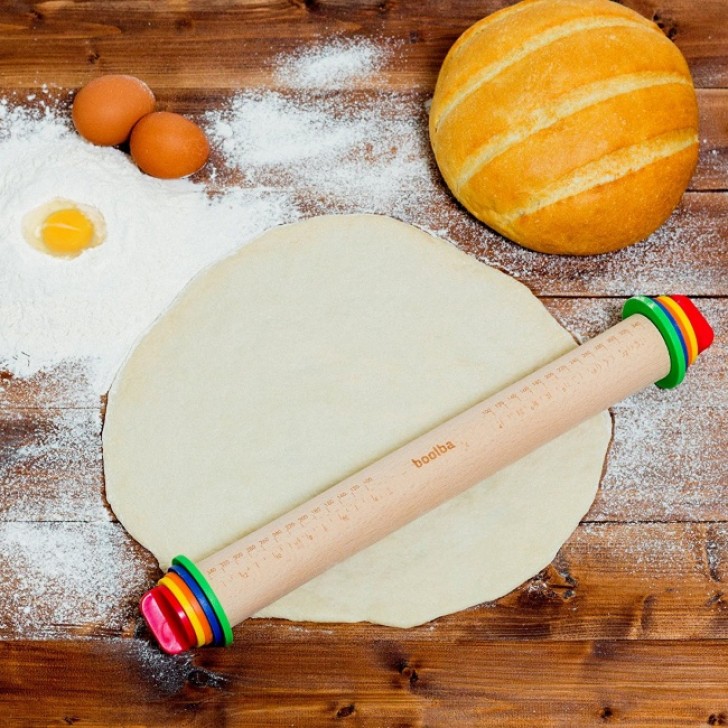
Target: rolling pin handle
(673, 334)
(167, 621)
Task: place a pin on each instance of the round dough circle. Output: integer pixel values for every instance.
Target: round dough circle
(309, 354)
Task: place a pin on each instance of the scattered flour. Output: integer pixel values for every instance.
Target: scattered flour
(336, 65)
(50, 466)
(369, 156)
(74, 576)
(280, 155)
(652, 552)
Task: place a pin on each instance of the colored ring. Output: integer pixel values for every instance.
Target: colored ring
(202, 600)
(197, 626)
(184, 620)
(684, 322)
(209, 593)
(703, 330)
(656, 314)
(199, 611)
(678, 331)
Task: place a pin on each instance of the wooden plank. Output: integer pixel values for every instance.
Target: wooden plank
(712, 171)
(667, 458)
(171, 43)
(666, 461)
(688, 253)
(50, 466)
(665, 464)
(423, 683)
(690, 25)
(71, 580)
(609, 581)
(632, 581)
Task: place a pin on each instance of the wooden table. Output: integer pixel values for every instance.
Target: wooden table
(628, 626)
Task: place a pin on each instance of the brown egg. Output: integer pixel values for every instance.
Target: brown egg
(168, 145)
(106, 109)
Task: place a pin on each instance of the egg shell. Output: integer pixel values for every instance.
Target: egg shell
(106, 109)
(168, 145)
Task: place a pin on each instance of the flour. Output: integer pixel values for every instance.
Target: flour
(159, 234)
(367, 156)
(59, 452)
(337, 64)
(280, 155)
(68, 576)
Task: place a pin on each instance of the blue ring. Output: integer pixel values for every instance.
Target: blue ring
(218, 638)
(678, 330)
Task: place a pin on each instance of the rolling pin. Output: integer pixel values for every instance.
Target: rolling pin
(197, 604)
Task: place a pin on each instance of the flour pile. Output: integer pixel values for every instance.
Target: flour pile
(160, 234)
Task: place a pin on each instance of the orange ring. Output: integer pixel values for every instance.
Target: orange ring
(199, 611)
(189, 611)
(688, 332)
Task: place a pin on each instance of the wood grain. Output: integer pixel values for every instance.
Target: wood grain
(627, 626)
(712, 172)
(226, 45)
(373, 684)
(610, 581)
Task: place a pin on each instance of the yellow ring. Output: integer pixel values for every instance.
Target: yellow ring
(691, 341)
(199, 633)
(199, 611)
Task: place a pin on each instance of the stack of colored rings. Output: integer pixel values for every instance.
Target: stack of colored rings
(183, 612)
(683, 327)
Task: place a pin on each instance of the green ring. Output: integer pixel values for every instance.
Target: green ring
(652, 311)
(197, 575)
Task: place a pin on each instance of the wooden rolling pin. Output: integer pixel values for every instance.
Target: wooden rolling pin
(195, 605)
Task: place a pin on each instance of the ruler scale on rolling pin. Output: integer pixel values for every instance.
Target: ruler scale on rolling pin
(196, 604)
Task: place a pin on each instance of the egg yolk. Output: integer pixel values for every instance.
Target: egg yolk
(67, 231)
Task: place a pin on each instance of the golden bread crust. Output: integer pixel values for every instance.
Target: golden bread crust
(550, 109)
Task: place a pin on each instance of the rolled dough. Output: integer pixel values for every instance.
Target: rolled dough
(312, 352)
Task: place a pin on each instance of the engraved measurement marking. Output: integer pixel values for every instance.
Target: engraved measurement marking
(341, 506)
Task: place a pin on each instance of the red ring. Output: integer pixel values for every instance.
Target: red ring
(173, 602)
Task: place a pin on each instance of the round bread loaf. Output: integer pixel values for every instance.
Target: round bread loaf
(570, 126)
